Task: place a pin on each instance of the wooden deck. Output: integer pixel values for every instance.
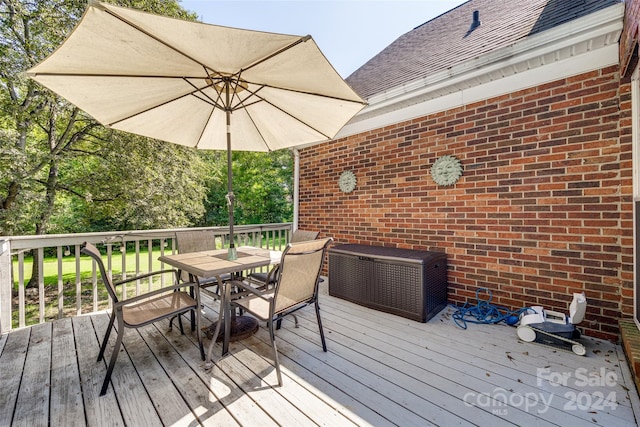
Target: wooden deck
(380, 370)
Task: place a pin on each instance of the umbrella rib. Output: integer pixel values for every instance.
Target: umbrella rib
(200, 78)
(282, 50)
(242, 105)
(145, 110)
(206, 99)
(293, 117)
(131, 24)
(213, 104)
(262, 86)
(101, 75)
(278, 52)
(216, 103)
(320, 95)
(203, 130)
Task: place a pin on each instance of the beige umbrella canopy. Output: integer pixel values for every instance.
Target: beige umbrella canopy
(197, 84)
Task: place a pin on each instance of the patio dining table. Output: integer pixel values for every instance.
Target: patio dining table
(214, 263)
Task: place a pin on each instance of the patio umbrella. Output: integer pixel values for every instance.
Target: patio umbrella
(197, 84)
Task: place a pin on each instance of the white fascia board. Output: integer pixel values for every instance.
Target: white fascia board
(604, 57)
(576, 65)
(579, 46)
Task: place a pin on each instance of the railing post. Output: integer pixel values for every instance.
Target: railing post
(5, 286)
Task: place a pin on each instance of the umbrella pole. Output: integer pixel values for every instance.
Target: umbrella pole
(233, 254)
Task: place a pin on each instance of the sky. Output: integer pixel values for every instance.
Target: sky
(349, 32)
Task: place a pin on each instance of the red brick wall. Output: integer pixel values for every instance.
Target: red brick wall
(543, 209)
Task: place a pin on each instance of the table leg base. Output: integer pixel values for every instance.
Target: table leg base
(241, 327)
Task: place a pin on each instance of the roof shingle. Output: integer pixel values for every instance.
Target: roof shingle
(450, 38)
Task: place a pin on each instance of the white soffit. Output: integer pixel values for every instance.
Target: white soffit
(579, 46)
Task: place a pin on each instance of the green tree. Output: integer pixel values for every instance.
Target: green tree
(155, 185)
(61, 171)
(57, 161)
(262, 186)
(35, 134)
(263, 183)
(54, 159)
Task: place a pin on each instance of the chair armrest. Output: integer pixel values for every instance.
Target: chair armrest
(146, 275)
(251, 289)
(163, 290)
(272, 273)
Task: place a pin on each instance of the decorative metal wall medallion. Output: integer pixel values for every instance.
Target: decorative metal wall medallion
(347, 182)
(446, 170)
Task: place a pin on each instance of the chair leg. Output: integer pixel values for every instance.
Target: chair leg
(275, 352)
(103, 346)
(180, 323)
(198, 331)
(324, 344)
(114, 356)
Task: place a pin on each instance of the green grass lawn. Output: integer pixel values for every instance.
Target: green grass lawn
(50, 264)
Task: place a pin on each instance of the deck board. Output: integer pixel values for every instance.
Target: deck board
(66, 395)
(499, 360)
(380, 370)
(182, 371)
(12, 361)
(34, 387)
(168, 402)
(96, 408)
(135, 404)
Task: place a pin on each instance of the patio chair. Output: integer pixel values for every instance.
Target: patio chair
(296, 287)
(196, 241)
(142, 309)
(262, 279)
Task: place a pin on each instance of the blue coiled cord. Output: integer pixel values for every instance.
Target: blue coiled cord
(485, 312)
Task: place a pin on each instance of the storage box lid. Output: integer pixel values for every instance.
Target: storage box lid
(383, 252)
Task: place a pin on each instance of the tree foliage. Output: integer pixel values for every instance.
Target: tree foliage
(61, 171)
(262, 185)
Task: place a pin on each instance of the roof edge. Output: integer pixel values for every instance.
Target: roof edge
(592, 35)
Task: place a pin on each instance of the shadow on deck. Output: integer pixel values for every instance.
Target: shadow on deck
(380, 370)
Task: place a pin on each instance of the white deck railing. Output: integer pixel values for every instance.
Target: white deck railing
(70, 295)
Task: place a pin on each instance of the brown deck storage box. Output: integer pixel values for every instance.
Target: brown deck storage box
(405, 282)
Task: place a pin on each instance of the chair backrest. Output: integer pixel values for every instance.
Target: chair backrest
(303, 236)
(298, 274)
(194, 241)
(93, 252)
